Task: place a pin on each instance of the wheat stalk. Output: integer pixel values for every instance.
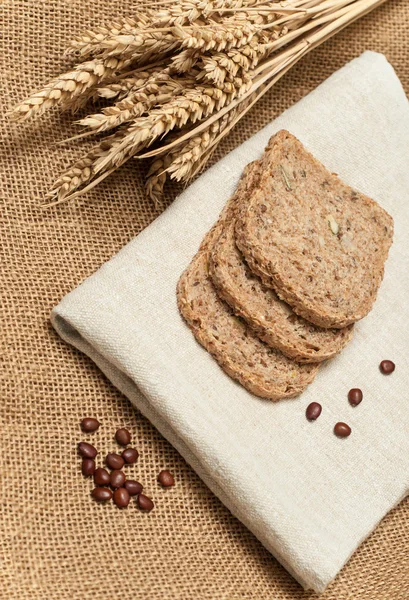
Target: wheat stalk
(222, 66)
(69, 87)
(184, 159)
(123, 87)
(156, 90)
(191, 106)
(277, 66)
(94, 42)
(156, 179)
(80, 173)
(180, 77)
(89, 42)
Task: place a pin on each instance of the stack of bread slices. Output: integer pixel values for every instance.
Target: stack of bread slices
(294, 260)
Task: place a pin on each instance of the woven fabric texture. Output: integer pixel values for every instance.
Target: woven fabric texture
(55, 542)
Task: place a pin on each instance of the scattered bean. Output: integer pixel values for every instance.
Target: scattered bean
(145, 503)
(89, 424)
(101, 477)
(355, 396)
(387, 367)
(134, 487)
(123, 437)
(121, 497)
(101, 494)
(130, 455)
(121, 489)
(88, 467)
(313, 411)
(342, 430)
(166, 478)
(86, 450)
(114, 461)
(117, 479)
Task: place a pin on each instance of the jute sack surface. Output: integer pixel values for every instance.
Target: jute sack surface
(55, 542)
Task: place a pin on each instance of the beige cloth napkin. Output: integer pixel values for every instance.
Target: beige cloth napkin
(309, 497)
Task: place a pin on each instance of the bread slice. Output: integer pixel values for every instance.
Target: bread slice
(272, 319)
(319, 243)
(262, 370)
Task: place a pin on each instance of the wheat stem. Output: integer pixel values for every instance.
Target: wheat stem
(180, 77)
(278, 68)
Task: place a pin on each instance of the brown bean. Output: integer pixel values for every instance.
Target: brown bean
(117, 479)
(114, 461)
(134, 487)
(101, 494)
(89, 424)
(355, 396)
(145, 503)
(130, 456)
(86, 450)
(88, 467)
(166, 479)
(313, 411)
(101, 477)
(121, 497)
(123, 437)
(387, 367)
(342, 430)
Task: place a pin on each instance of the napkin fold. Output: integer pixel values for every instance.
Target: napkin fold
(308, 496)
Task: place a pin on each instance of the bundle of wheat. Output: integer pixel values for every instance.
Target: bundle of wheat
(180, 78)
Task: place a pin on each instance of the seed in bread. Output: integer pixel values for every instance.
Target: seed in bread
(319, 243)
(271, 318)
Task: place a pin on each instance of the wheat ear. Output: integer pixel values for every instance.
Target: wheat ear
(121, 87)
(156, 179)
(69, 87)
(81, 172)
(88, 43)
(157, 90)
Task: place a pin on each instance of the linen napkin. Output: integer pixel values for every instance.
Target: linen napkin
(308, 496)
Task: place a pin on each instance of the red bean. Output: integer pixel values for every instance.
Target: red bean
(101, 494)
(114, 461)
(387, 367)
(134, 487)
(342, 430)
(101, 477)
(86, 450)
(117, 479)
(89, 424)
(88, 467)
(130, 456)
(121, 497)
(123, 437)
(355, 396)
(313, 411)
(145, 503)
(166, 479)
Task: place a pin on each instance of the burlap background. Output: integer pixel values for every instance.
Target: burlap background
(57, 544)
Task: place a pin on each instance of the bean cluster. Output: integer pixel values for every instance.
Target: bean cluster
(114, 485)
(355, 397)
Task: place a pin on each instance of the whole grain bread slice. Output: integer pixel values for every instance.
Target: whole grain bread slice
(319, 243)
(272, 319)
(262, 370)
